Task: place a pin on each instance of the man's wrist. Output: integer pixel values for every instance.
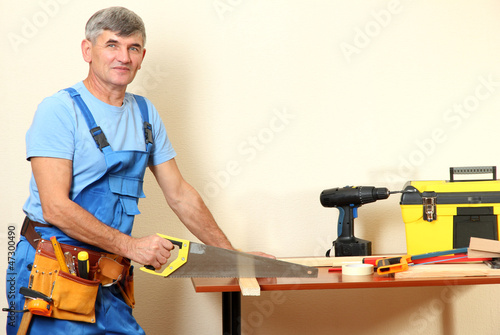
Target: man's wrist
(123, 244)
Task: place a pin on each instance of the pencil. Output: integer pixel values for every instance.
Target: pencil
(59, 254)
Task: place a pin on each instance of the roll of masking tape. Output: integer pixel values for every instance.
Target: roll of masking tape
(357, 269)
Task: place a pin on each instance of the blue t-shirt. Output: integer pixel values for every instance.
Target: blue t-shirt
(59, 130)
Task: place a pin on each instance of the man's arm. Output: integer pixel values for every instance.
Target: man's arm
(53, 177)
(188, 205)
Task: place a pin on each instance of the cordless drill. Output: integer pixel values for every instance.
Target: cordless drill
(347, 200)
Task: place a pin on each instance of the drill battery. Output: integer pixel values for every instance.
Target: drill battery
(442, 215)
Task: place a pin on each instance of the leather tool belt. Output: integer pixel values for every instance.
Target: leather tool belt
(28, 231)
(104, 268)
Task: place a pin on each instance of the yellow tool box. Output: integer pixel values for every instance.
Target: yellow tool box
(443, 215)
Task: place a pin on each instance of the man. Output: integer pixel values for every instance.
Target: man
(86, 184)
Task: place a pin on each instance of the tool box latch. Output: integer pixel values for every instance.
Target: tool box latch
(429, 204)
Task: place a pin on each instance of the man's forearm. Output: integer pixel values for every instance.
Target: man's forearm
(187, 203)
(79, 224)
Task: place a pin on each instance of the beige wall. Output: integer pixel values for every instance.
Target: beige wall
(268, 103)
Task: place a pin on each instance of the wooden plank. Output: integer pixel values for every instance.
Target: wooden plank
(310, 261)
(330, 261)
(249, 287)
(482, 254)
(447, 270)
(483, 244)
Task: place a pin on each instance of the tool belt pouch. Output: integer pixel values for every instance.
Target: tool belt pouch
(108, 269)
(127, 288)
(73, 297)
(116, 269)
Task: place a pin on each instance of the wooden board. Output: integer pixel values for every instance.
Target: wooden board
(249, 286)
(330, 261)
(310, 261)
(483, 244)
(481, 247)
(482, 254)
(448, 270)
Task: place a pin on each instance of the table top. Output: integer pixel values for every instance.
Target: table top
(335, 280)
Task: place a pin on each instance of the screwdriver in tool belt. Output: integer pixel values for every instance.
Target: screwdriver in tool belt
(83, 264)
(70, 263)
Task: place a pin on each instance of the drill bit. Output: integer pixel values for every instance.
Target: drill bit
(403, 191)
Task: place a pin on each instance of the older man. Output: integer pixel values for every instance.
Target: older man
(89, 146)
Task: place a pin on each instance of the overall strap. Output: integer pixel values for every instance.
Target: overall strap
(143, 107)
(95, 131)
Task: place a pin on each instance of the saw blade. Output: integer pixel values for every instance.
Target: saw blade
(208, 261)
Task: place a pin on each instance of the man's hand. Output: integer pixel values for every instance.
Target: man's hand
(262, 254)
(150, 250)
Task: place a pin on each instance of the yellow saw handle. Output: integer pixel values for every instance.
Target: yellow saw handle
(176, 263)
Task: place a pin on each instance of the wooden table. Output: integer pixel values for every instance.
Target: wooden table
(231, 297)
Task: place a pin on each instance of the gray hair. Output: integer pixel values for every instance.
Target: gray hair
(117, 19)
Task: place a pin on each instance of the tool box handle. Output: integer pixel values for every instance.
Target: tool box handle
(473, 170)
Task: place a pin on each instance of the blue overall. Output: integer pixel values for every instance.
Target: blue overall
(112, 198)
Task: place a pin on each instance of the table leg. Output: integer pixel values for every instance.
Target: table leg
(231, 313)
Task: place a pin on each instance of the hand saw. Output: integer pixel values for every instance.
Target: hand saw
(200, 260)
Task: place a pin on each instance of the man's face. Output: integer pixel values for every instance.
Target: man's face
(114, 60)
